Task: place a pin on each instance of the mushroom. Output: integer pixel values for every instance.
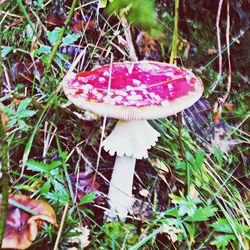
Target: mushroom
(132, 92)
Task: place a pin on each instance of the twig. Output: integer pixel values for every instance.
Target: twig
(219, 45)
(128, 36)
(229, 78)
(57, 44)
(61, 226)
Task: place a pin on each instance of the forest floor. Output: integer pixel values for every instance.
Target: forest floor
(193, 191)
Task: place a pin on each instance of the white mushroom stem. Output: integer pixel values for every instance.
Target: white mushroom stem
(130, 140)
(120, 190)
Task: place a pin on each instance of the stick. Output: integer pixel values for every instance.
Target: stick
(219, 45)
(61, 226)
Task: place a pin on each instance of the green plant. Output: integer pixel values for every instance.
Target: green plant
(17, 117)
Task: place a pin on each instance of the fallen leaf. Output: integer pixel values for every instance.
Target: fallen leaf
(4, 118)
(82, 240)
(229, 107)
(221, 137)
(142, 209)
(186, 45)
(216, 117)
(144, 192)
(55, 20)
(172, 231)
(212, 51)
(83, 184)
(21, 226)
(194, 194)
(26, 72)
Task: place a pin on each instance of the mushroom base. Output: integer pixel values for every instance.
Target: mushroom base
(131, 138)
(120, 191)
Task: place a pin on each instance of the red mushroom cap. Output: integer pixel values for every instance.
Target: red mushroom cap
(134, 90)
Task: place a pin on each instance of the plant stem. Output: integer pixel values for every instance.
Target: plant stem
(179, 123)
(175, 35)
(173, 60)
(5, 179)
(57, 44)
(23, 10)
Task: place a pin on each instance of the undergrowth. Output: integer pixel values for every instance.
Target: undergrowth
(199, 201)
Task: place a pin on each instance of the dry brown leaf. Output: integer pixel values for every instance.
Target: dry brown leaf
(149, 48)
(186, 45)
(22, 227)
(4, 118)
(216, 117)
(194, 194)
(212, 51)
(229, 107)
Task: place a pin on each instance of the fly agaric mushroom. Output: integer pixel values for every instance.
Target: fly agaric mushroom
(22, 227)
(132, 92)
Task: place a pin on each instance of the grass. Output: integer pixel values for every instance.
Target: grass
(198, 203)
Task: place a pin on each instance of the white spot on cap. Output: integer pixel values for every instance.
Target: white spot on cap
(118, 98)
(88, 86)
(99, 96)
(148, 67)
(136, 82)
(188, 77)
(122, 93)
(129, 87)
(143, 86)
(105, 73)
(170, 86)
(134, 98)
(110, 93)
(107, 99)
(152, 94)
(75, 84)
(170, 73)
(102, 79)
(157, 97)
